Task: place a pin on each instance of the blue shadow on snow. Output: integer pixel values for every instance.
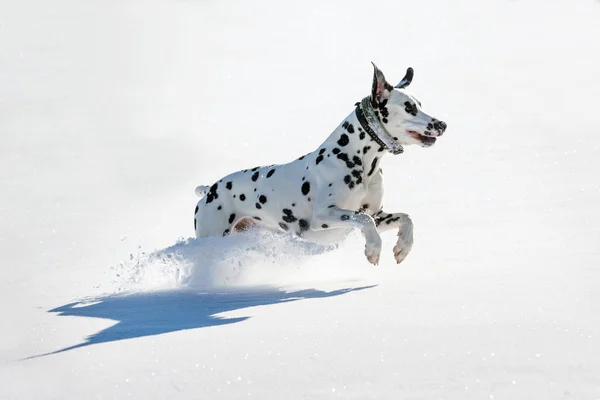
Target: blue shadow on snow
(155, 313)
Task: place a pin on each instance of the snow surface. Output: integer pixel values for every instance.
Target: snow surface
(112, 112)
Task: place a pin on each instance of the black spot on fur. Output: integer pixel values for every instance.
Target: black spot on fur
(287, 211)
(330, 184)
(262, 198)
(384, 111)
(343, 157)
(331, 206)
(356, 173)
(351, 185)
(361, 136)
(242, 197)
(289, 218)
(305, 188)
(373, 165)
(304, 225)
(254, 169)
(345, 217)
(335, 150)
(381, 218)
(231, 218)
(345, 124)
(301, 158)
(350, 128)
(283, 226)
(229, 185)
(357, 160)
(321, 151)
(410, 108)
(347, 179)
(255, 176)
(226, 232)
(270, 173)
(257, 205)
(196, 210)
(194, 224)
(293, 204)
(389, 221)
(343, 140)
(218, 208)
(212, 194)
(318, 160)
(257, 218)
(324, 226)
(365, 149)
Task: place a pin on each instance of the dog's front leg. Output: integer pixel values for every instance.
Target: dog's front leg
(386, 221)
(334, 217)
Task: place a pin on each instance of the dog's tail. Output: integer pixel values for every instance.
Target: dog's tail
(202, 190)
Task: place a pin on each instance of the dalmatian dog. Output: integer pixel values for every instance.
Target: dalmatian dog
(339, 186)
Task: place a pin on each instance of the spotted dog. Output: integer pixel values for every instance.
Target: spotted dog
(339, 186)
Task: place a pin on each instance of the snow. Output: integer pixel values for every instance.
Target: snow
(111, 113)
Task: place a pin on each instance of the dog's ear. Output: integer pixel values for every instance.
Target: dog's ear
(381, 89)
(407, 79)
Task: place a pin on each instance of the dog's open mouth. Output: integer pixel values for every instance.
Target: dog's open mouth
(426, 141)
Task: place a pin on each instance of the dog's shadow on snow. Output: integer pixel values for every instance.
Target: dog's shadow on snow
(155, 313)
(208, 275)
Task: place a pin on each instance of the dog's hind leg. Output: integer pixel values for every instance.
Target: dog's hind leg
(211, 220)
(386, 221)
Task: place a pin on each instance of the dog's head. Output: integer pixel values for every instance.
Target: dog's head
(401, 113)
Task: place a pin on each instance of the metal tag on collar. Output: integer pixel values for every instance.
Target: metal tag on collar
(379, 130)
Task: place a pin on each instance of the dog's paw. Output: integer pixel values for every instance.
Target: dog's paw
(373, 250)
(405, 240)
(401, 250)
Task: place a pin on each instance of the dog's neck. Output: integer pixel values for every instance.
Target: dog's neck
(352, 143)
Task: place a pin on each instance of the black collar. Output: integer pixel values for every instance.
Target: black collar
(365, 125)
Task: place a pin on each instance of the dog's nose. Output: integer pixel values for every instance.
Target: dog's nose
(440, 126)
